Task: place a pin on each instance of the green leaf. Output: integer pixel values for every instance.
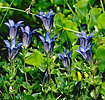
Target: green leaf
(101, 22)
(74, 54)
(100, 52)
(101, 66)
(81, 9)
(18, 96)
(6, 97)
(36, 95)
(35, 59)
(76, 19)
(27, 69)
(58, 19)
(97, 92)
(94, 14)
(28, 97)
(79, 76)
(103, 88)
(58, 2)
(100, 55)
(25, 84)
(92, 2)
(70, 25)
(103, 40)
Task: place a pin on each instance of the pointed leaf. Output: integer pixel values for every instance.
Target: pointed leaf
(35, 59)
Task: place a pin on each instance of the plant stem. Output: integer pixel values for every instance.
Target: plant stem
(70, 9)
(6, 88)
(24, 53)
(93, 75)
(102, 5)
(68, 29)
(19, 89)
(6, 13)
(25, 72)
(12, 68)
(59, 96)
(17, 10)
(49, 71)
(45, 93)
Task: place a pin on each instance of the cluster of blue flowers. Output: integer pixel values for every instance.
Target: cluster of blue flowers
(85, 48)
(48, 23)
(26, 39)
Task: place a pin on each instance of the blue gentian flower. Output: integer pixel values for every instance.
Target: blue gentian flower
(66, 60)
(13, 28)
(84, 40)
(48, 43)
(27, 35)
(47, 20)
(86, 52)
(12, 48)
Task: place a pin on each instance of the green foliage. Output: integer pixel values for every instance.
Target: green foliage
(35, 59)
(100, 55)
(81, 9)
(23, 77)
(101, 24)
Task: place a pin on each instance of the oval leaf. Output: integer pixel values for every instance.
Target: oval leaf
(35, 59)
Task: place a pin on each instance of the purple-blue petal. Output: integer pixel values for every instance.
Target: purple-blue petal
(50, 13)
(81, 49)
(22, 30)
(6, 23)
(82, 53)
(13, 43)
(47, 37)
(46, 47)
(19, 44)
(53, 39)
(88, 47)
(19, 23)
(42, 39)
(42, 13)
(34, 30)
(91, 45)
(64, 53)
(70, 53)
(11, 22)
(90, 36)
(61, 56)
(7, 43)
(78, 35)
(27, 29)
(83, 33)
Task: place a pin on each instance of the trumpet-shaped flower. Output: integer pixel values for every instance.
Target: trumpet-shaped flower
(13, 28)
(47, 20)
(86, 52)
(12, 49)
(66, 60)
(48, 43)
(27, 35)
(84, 40)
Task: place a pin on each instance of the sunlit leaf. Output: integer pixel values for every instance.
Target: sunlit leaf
(68, 24)
(101, 22)
(100, 55)
(79, 76)
(28, 97)
(81, 9)
(94, 14)
(35, 59)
